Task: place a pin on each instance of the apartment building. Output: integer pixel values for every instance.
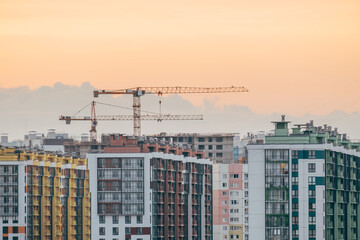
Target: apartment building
(43, 196)
(304, 184)
(228, 201)
(143, 190)
(219, 147)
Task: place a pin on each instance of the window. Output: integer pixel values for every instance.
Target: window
(127, 219)
(246, 176)
(312, 167)
(115, 174)
(115, 231)
(225, 228)
(102, 231)
(295, 193)
(224, 202)
(234, 202)
(210, 147)
(224, 220)
(210, 139)
(312, 207)
(312, 154)
(5, 230)
(139, 219)
(219, 139)
(312, 193)
(219, 154)
(210, 155)
(224, 176)
(115, 162)
(295, 220)
(234, 210)
(101, 210)
(115, 186)
(219, 147)
(295, 206)
(224, 211)
(312, 220)
(201, 139)
(312, 233)
(201, 147)
(224, 185)
(101, 186)
(127, 231)
(295, 154)
(15, 229)
(101, 162)
(224, 193)
(234, 176)
(115, 219)
(295, 180)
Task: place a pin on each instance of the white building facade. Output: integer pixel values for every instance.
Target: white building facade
(143, 196)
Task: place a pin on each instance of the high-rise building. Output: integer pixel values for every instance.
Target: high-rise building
(304, 185)
(143, 190)
(228, 201)
(43, 196)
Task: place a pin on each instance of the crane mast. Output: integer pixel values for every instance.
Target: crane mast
(137, 92)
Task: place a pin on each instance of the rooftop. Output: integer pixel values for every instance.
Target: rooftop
(308, 133)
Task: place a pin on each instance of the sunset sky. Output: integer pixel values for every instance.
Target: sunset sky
(295, 57)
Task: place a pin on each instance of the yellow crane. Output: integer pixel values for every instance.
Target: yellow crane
(138, 92)
(95, 118)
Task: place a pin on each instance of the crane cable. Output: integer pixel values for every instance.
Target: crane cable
(111, 105)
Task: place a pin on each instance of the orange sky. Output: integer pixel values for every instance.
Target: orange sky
(295, 56)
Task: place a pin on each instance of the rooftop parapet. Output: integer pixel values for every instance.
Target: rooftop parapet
(308, 133)
(14, 154)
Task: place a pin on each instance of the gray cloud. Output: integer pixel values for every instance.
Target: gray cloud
(23, 109)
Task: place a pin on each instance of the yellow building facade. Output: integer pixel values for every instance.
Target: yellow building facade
(53, 196)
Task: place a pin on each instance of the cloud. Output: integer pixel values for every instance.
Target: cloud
(23, 109)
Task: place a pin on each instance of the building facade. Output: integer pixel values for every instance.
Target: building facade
(43, 196)
(228, 201)
(143, 190)
(304, 185)
(219, 147)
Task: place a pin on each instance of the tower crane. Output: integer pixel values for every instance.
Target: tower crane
(138, 92)
(95, 118)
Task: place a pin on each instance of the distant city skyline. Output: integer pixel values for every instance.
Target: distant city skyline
(26, 110)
